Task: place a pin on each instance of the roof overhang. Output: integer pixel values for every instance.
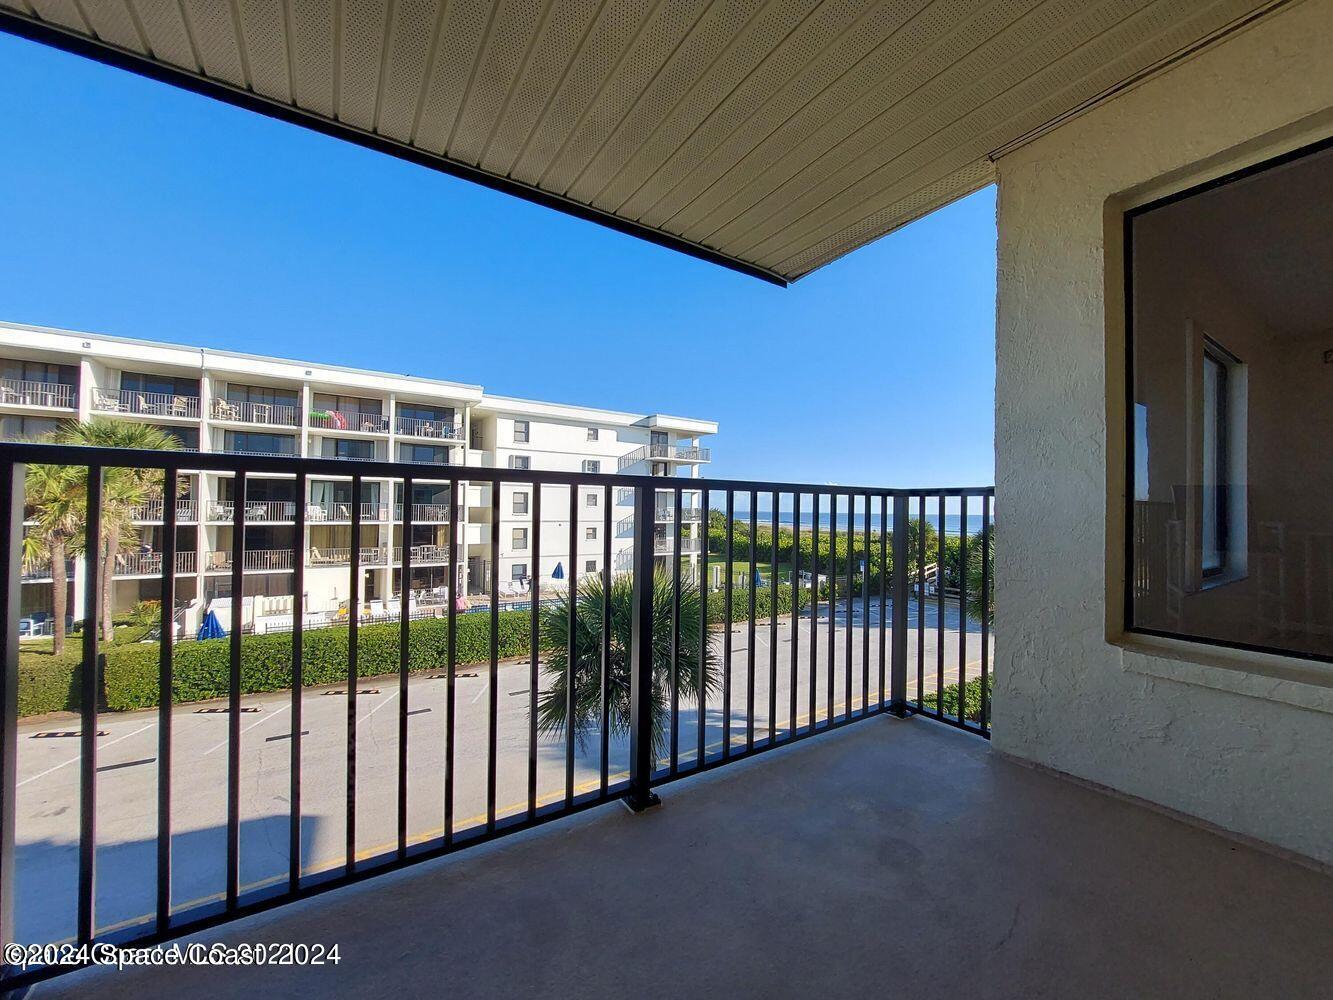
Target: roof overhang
(769, 137)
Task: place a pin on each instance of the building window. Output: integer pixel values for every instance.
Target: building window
(592, 466)
(590, 566)
(521, 432)
(257, 442)
(520, 539)
(592, 433)
(423, 454)
(348, 448)
(520, 462)
(591, 500)
(518, 571)
(590, 533)
(520, 502)
(1228, 409)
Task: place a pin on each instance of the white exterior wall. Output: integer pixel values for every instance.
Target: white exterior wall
(559, 441)
(1240, 740)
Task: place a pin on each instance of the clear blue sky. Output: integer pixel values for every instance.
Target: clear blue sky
(135, 209)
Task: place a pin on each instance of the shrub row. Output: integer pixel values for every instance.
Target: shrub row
(740, 603)
(201, 670)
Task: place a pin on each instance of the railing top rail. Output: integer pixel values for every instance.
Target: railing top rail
(24, 452)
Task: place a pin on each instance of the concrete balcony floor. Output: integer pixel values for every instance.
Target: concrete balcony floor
(889, 858)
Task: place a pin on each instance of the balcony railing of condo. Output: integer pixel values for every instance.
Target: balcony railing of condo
(150, 404)
(27, 392)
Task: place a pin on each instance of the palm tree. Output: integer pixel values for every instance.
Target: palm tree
(551, 714)
(975, 583)
(123, 489)
(55, 495)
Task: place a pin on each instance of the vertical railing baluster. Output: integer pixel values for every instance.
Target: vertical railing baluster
(165, 683)
(233, 890)
(898, 659)
(851, 603)
(604, 657)
(534, 644)
(883, 586)
(353, 666)
(88, 691)
(962, 611)
(12, 478)
(921, 603)
(641, 795)
(677, 506)
(404, 655)
(986, 570)
(773, 623)
(701, 712)
(571, 659)
(865, 610)
(451, 671)
(814, 608)
(298, 684)
(832, 606)
(750, 611)
(726, 632)
(795, 609)
(939, 610)
(493, 678)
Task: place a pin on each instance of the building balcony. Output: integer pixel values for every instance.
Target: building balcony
(690, 454)
(349, 420)
(885, 848)
(39, 571)
(252, 561)
(432, 430)
(224, 511)
(151, 511)
(423, 555)
(341, 513)
(147, 404)
(267, 414)
(370, 555)
(424, 513)
(39, 395)
(150, 563)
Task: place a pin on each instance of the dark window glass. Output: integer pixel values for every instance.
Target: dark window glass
(348, 448)
(167, 385)
(1230, 305)
(257, 441)
(427, 453)
(261, 394)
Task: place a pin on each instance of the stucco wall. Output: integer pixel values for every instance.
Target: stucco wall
(1245, 744)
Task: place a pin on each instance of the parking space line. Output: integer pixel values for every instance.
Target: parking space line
(266, 718)
(75, 760)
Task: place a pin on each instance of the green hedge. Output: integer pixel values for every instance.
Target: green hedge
(202, 669)
(972, 698)
(740, 603)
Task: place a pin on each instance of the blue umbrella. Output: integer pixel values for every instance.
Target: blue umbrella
(559, 572)
(758, 580)
(211, 628)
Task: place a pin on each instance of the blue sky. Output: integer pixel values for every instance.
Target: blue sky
(135, 209)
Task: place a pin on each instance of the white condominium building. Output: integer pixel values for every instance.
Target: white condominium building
(223, 401)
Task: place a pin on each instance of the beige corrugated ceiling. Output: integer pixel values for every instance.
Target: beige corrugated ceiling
(778, 134)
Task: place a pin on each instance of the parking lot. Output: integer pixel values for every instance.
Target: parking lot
(127, 768)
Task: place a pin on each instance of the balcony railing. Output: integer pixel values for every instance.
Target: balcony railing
(370, 555)
(40, 570)
(350, 420)
(423, 555)
(253, 560)
(150, 404)
(441, 430)
(424, 513)
(152, 511)
(838, 648)
(665, 546)
(150, 563)
(255, 510)
(666, 453)
(279, 414)
(26, 392)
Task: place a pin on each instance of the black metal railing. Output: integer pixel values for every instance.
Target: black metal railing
(656, 683)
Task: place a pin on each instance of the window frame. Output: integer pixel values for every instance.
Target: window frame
(526, 433)
(518, 540)
(1127, 628)
(527, 503)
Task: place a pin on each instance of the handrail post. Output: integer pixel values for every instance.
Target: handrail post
(898, 661)
(11, 558)
(640, 795)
